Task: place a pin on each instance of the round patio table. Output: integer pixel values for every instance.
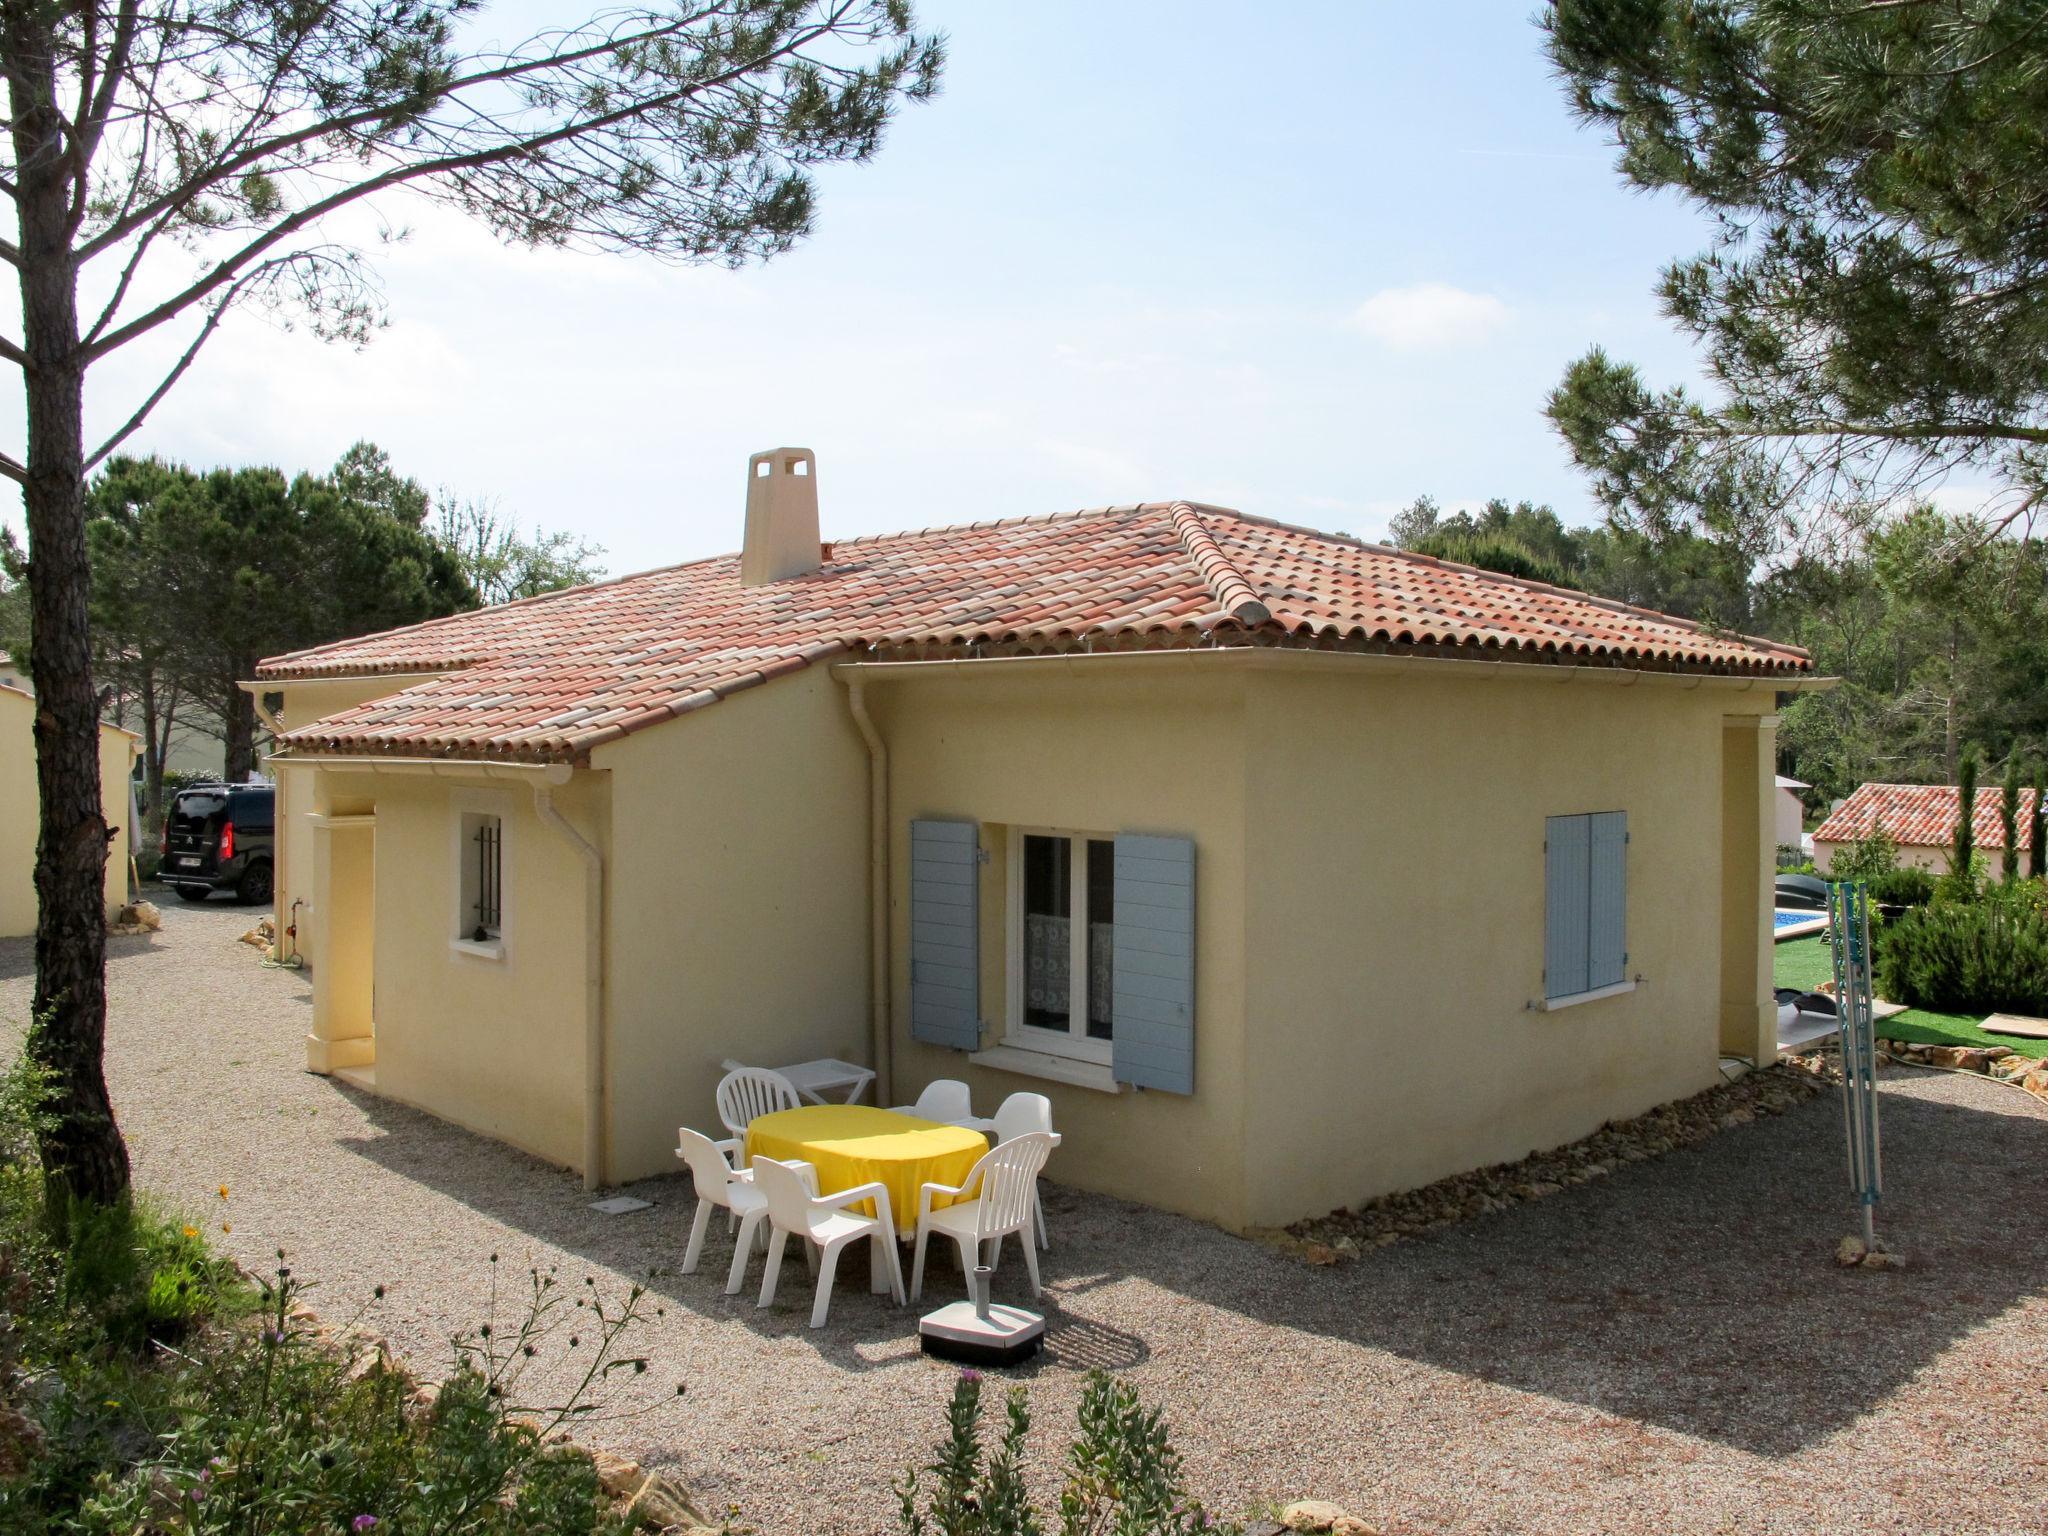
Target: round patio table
(855, 1144)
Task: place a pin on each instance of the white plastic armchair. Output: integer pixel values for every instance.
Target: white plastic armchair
(823, 1221)
(720, 1186)
(945, 1100)
(747, 1093)
(1002, 1185)
(1019, 1115)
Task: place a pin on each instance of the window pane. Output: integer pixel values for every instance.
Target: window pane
(1101, 935)
(1048, 900)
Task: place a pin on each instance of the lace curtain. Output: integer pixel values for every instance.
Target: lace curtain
(1048, 951)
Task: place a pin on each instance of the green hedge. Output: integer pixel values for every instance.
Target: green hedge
(1903, 887)
(1983, 956)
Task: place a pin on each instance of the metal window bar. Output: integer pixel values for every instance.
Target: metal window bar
(1849, 918)
(490, 841)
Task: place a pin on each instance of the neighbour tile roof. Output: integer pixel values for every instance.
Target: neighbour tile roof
(549, 678)
(1919, 815)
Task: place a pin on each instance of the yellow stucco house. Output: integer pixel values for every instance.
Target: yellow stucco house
(1292, 868)
(18, 814)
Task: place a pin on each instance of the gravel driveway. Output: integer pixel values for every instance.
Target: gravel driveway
(1668, 1350)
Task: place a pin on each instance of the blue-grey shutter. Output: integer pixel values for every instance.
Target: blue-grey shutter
(1607, 900)
(1152, 996)
(1567, 858)
(945, 933)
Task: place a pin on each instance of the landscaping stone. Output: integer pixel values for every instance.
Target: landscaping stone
(1344, 1235)
(1319, 1515)
(1850, 1252)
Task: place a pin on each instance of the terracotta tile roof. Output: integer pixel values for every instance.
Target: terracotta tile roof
(1919, 815)
(552, 677)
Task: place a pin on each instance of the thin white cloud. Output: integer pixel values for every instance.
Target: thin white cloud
(1428, 316)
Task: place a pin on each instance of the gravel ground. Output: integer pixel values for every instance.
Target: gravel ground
(1667, 1350)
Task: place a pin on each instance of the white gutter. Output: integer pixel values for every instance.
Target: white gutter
(596, 1119)
(1290, 659)
(263, 710)
(878, 886)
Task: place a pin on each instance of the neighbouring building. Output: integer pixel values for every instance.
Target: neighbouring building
(19, 817)
(1921, 819)
(1293, 869)
(1791, 812)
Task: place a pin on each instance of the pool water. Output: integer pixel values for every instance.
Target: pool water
(1783, 919)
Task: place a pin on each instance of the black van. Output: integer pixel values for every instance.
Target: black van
(221, 837)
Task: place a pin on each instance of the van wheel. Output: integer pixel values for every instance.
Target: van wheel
(192, 892)
(255, 885)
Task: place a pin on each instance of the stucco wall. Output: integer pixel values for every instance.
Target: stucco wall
(1105, 751)
(19, 812)
(738, 904)
(1396, 920)
(495, 1045)
(291, 879)
(1920, 856)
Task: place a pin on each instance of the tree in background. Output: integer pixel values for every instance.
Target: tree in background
(1963, 852)
(174, 160)
(502, 561)
(1872, 313)
(135, 614)
(251, 564)
(2037, 826)
(2009, 818)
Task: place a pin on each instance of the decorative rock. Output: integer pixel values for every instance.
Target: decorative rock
(1319, 1253)
(1850, 1252)
(1312, 1515)
(620, 1478)
(663, 1506)
(1881, 1258)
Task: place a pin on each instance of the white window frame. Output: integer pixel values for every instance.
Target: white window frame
(1075, 1042)
(464, 804)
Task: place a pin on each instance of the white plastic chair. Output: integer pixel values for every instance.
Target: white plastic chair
(823, 1221)
(747, 1093)
(946, 1101)
(1003, 1183)
(1019, 1115)
(720, 1185)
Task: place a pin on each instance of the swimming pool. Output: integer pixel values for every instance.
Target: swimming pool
(1788, 924)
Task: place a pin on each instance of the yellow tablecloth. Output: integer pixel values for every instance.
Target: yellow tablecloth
(855, 1144)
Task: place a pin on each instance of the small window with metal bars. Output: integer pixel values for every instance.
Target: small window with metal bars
(483, 877)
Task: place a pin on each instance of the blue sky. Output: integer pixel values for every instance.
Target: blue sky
(1310, 260)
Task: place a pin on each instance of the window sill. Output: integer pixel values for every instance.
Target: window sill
(1572, 1000)
(493, 949)
(1060, 1069)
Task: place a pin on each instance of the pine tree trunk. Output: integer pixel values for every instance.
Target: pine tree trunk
(239, 716)
(82, 1152)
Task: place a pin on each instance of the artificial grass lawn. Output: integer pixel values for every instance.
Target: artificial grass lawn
(1805, 964)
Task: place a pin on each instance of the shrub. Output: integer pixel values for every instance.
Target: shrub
(1903, 887)
(1123, 1475)
(1979, 956)
(1866, 858)
(254, 1422)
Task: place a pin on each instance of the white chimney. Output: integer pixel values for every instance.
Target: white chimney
(782, 516)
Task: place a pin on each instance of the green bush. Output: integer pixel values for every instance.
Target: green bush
(1123, 1474)
(1903, 887)
(1983, 955)
(1867, 858)
(173, 1395)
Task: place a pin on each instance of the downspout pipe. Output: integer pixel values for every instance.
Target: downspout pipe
(878, 888)
(596, 1172)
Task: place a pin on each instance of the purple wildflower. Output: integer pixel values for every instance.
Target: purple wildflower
(363, 1523)
(971, 1377)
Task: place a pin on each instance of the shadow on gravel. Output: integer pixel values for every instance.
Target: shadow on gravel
(17, 958)
(1696, 1292)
